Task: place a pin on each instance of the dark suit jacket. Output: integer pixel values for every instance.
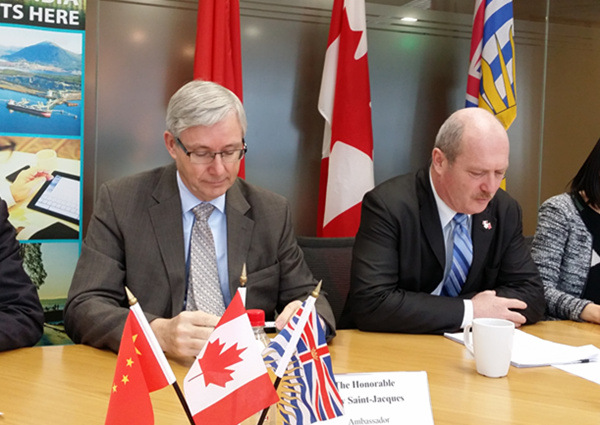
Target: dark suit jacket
(21, 314)
(399, 259)
(135, 238)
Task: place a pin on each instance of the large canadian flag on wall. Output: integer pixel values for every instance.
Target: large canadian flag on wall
(218, 55)
(345, 103)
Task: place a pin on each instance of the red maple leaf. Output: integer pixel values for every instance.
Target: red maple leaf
(215, 363)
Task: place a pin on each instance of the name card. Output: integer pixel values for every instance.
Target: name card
(384, 398)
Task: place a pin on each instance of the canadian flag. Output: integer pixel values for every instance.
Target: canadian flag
(345, 103)
(228, 381)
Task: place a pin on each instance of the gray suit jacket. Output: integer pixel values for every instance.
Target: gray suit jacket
(135, 238)
(562, 250)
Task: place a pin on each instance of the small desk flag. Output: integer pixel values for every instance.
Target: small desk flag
(141, 369)
(228, 381)
(308, 389)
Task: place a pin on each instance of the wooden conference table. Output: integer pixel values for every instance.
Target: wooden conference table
(71, 384)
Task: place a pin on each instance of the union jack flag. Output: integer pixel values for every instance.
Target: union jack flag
(491, 82)
(308, 390)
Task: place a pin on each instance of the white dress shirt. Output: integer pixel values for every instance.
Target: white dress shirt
(446, 215)
(218, 226)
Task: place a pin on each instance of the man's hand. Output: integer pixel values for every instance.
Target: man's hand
(183, 336)
(287, 313)
(487, 304)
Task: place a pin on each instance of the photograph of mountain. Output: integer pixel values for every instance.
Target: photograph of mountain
(40, 81)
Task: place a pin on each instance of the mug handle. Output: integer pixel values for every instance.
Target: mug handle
(467, 337)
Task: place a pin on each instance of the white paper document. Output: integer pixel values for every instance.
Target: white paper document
(531, 351)
(384, 398)
(589, 371)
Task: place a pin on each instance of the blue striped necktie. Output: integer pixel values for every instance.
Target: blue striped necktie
(462, 256)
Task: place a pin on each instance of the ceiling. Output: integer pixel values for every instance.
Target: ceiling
(571, 12)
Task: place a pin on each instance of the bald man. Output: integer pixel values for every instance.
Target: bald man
(442, 246)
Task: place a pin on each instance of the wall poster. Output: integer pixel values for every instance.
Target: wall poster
(41, 142)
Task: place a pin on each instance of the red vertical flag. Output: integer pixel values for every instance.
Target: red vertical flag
(345, 103)
(141, 369)
(218, 47)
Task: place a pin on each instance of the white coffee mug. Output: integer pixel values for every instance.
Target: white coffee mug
(491, 343)
(46, 159)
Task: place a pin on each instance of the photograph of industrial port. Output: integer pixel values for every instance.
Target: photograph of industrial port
(40, 81)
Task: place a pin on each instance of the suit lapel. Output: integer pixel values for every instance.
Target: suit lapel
(239, 233)
(166, 217)
(430, 218)
(483, 229)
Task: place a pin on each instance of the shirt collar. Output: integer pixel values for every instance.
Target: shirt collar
(189, 201)
(446, 213)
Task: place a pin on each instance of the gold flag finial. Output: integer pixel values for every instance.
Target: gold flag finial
(315, 292)
(243, 277)
(130, 297)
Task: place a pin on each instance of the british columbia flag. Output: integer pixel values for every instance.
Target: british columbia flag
(308, 390)
(491, 83)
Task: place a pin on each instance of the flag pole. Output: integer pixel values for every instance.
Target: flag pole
(183, 403)
(263, 415)
(133, 304)
(298, 332)
(242, 289)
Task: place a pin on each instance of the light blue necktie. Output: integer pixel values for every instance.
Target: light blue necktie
(462, 256)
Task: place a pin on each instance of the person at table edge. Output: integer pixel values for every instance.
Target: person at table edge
(566, 245)
(404, 245)
(140, 230)
(21, 314)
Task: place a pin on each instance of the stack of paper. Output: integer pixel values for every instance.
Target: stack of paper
(531, 351)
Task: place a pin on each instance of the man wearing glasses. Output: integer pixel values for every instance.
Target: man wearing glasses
(149, 232)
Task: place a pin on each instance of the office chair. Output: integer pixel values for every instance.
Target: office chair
(329, 260)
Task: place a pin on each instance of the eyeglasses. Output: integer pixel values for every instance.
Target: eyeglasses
(206, 157)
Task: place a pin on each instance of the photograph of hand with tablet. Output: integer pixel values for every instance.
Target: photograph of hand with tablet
(41, 186)
(59, 197)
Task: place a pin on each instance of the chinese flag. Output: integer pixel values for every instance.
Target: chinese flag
(218, 47)
(138, 372)
(345, 103)
(228, 381)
